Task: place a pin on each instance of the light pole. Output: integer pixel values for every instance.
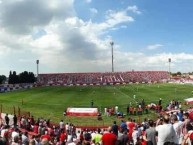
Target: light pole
(37, 62)
(169, 61)
(112, 43)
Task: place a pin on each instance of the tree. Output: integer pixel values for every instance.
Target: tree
(15, 78)
(24, 77)
(179, 73)
(10, 78)
(2, 79)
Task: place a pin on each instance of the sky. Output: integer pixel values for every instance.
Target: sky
(74, 35)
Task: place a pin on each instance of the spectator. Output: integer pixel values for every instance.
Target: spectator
(24, 138)
(15, 120)
(166, 132)
(15, 133)
(115, 128)
(151, 133)
(130, 127)
(44, 141)
(188, 137)
(7, 119)
(185, 122)
(123, 125)
(61, 124)
(123, 138)
(109, 138)
(135, 135)
(87, 139)
(97, 137)
(15, 141)
(178, 128)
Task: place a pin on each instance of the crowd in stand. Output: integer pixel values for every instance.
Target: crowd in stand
(172, 127)
(103, 78)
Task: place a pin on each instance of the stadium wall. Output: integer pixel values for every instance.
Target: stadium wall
(13, 87)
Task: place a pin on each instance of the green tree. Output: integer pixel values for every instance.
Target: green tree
(179, 73)
(2, 79)
(24, 77)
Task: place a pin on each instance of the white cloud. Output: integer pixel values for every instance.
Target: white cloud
(93, 10)
(154, 46)
(134, 9)
(70, 44)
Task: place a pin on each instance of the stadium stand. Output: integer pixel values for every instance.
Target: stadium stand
(103, 78)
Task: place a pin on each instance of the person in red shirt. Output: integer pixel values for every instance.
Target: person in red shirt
(109, 138)
(36, 128)
(46, 136)
(63, 136)
(130, 127)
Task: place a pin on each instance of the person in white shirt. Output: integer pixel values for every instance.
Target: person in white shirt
(178, 128)
(15, 133)
(61, 124)
(135, 135)
(166, 132)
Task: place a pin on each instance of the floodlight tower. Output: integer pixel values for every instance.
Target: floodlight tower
(169, 61)
(112, 43)
(37, 62)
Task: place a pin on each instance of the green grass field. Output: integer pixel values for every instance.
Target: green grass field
(50, 102)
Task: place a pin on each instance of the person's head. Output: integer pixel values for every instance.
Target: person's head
(186, 115)
(109, 129)
(189, 127)
(174, 118)
(37, 137)
(151, 123)
(99, 130)
(166, 118)
(114, 122)
(129, 119)
(44, 141)
(16, 139)
(31, 142)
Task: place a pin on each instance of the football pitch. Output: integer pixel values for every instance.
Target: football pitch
(50, 102)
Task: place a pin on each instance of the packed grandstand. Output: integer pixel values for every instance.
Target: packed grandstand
(103, 78)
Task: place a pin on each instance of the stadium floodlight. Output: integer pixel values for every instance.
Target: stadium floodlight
(169, 61)
(112, 43)
(37, 62)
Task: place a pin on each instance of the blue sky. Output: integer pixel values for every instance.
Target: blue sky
(75, 35)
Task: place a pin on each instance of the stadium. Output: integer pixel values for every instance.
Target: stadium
(79, 98)
(95, 72)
